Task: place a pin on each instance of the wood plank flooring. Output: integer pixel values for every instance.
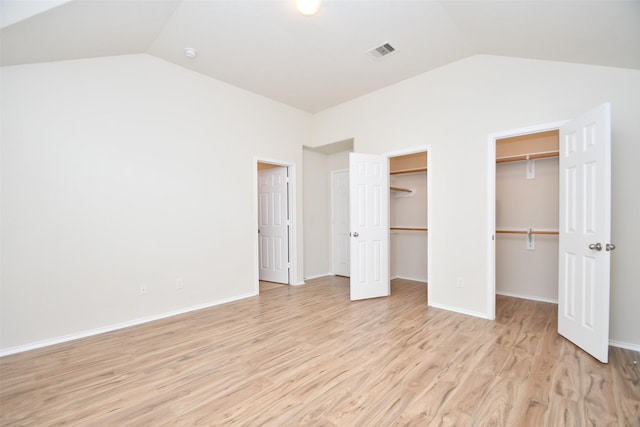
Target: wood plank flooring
(307, 356)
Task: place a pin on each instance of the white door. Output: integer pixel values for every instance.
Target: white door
(273, 226)
(369, 212)
(585, 228)
(340, 222)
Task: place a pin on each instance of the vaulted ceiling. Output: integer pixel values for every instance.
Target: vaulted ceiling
(316, 62)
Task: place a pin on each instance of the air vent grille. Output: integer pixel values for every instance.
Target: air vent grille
(382, 50)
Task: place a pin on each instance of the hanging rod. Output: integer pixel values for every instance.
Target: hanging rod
(531, 156)
(412, 170)
(404, 190)
(409, 228)
(530, 231)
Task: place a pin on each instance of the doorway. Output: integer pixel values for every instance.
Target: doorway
(527, 216)
(408, 207)
(491, 202)
(275, 220)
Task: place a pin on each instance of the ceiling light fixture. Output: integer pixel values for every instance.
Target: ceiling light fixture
(308, 7)
(190, 52)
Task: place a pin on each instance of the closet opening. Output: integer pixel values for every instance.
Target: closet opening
(581, 276)
(408, 217)
(527, 216)
(275, 221)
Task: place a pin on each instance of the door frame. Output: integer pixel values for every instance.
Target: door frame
(291, 212)
(414, 150)
(332, 177)
(491, 202)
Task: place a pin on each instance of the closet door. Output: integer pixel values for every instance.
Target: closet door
(585, 229)
(369, 218)
(273, 225)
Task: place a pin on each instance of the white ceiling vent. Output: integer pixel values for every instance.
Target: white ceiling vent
(383, 50)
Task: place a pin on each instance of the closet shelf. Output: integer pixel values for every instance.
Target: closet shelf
(412, 170)
(404, 190)
(531, 156)
(409, 228)
(531, 231)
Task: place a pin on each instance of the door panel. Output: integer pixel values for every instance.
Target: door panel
(585, 230)
(272, 225)
(369, 212)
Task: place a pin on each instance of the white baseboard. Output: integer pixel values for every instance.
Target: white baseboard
(116, 326)
(317, 276)
(625, 345)
(461, 311)
(529, 297)
(411, 278)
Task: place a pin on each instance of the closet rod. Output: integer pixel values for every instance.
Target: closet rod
(532, 156)
(409, 228)
(526, 232)
(404, 190)
(413, 170)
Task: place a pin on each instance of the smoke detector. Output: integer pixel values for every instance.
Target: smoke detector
(381, 51)
(190, 52)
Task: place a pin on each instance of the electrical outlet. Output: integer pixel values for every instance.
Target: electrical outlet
(143, 290)
(179, 283)
(460, 282)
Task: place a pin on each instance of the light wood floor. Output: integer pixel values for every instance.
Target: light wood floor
(307, 356)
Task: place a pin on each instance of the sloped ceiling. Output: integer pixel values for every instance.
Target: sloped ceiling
(314, 63)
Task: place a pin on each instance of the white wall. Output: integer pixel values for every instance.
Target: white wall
(337, 161)
(453, 109)
(408, 251)
(123, 171)
(317, 215)
(523, 203)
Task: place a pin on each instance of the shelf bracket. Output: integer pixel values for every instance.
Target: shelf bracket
(531, 240)
(531, 168)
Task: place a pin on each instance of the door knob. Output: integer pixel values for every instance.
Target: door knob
(596, 246)
(610, 246)
(355, 234)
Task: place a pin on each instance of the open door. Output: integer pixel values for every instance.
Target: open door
(585, 231)
(369, 217)
(273, 224)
